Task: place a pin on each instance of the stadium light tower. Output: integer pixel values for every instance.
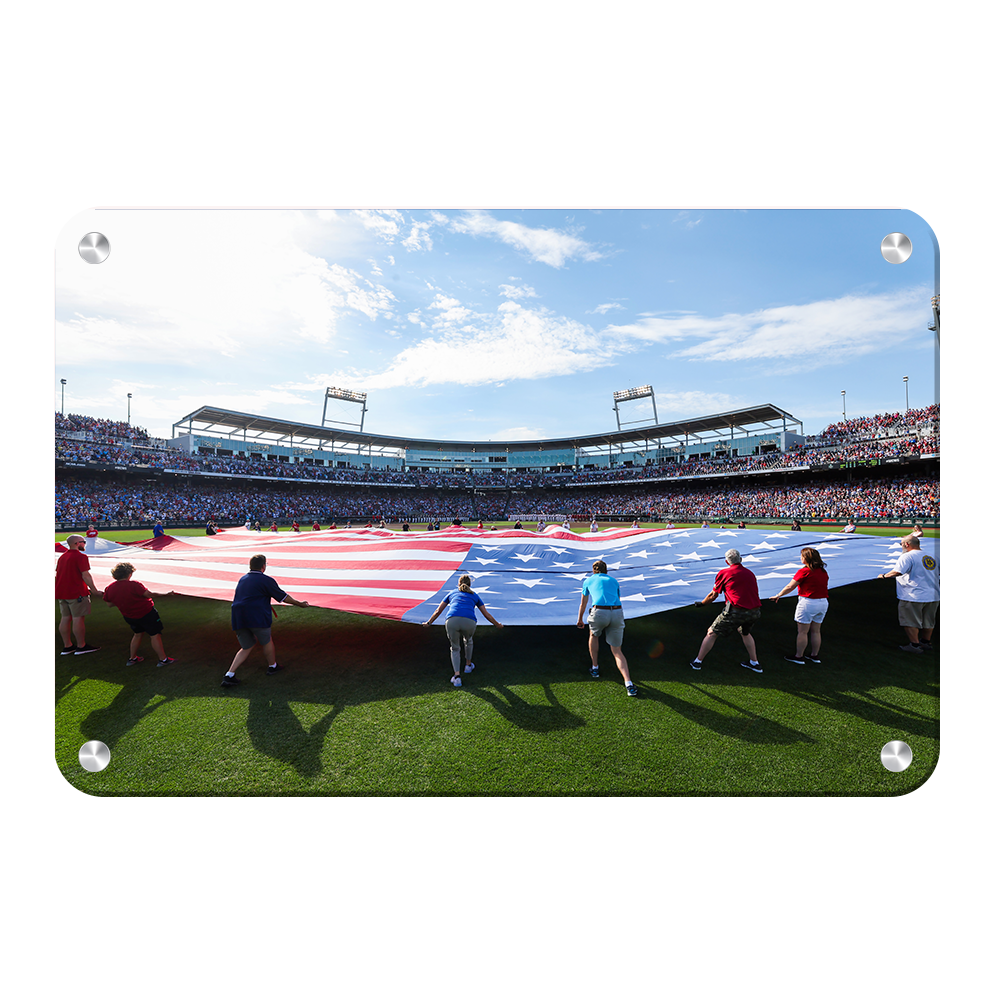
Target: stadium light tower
(629, 396)
(128, 418)
(906, 386)
(62, 404)
(843, 399)
(348, 396)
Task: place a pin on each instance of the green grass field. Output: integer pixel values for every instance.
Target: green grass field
(364, 707)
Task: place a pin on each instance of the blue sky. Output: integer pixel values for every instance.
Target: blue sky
(493, 324)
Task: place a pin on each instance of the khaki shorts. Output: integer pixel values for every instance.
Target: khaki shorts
(913, 614)
(77, 608)
(609, 621)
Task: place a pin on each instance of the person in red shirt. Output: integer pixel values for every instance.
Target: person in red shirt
(92, 531)
(295, 525)
(135, 603)
(742, 609)
(316, 526)
(273, 527)
(74, 585)
(813, 583)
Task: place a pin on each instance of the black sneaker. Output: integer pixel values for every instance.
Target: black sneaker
(694, 666)
(791, 659)
(86, 648)
(755, 667)
(631, 691)
(66, 650)
(274, 669)
(594, 672)
(813, 659)
(228, 682)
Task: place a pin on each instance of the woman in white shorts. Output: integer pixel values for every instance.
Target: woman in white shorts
(812, 582)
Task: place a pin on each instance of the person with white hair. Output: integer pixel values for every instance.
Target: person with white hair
(739, 585)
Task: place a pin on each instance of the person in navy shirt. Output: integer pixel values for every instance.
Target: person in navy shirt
(607, 618)
(460, 624)
(251, 616)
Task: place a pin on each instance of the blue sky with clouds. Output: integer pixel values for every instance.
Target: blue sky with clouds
(493, 324)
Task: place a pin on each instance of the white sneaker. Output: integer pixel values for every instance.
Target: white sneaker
(456, 681)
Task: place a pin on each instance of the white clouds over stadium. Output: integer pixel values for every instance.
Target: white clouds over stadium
(517, 342)
(513, 319)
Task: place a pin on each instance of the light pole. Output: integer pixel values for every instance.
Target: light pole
(843, 399)
(62, 404)
(906, 386)
(128, 419)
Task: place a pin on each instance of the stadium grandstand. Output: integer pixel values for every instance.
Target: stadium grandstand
(753, 464)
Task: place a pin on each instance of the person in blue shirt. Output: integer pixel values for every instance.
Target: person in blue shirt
(607, 617)
(251, 616)
(460, 624)
(158, 530)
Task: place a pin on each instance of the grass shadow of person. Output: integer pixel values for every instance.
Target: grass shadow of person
(533, 718)
(133, 703)
(751, 727)
(277, 732)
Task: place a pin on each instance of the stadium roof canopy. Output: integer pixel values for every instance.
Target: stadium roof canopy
(217, 422)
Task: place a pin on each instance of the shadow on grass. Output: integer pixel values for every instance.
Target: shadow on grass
(533, 718)
(133, 703)
(337, 661)
(276, 731)
(751, 727)
(875, 710)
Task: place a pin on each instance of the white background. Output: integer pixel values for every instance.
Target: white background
(459, 105)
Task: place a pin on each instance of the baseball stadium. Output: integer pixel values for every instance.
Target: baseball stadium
(369, 534)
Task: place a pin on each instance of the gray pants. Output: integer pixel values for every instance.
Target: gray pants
(459, 628)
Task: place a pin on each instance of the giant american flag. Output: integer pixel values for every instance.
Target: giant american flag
(523, 577)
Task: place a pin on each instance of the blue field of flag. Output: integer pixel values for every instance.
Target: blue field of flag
(537, 579)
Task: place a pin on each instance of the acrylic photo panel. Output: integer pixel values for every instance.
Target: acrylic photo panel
(646, 388)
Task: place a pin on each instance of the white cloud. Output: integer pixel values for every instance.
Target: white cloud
(518, 292)
(186, 287)
(385, 223)
(807, 336)
(513, 343)
(419, 237)
(549, 246)
(605, 307)
(518, 342)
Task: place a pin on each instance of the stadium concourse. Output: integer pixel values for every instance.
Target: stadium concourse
(867, 469)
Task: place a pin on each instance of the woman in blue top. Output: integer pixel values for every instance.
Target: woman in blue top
(460, 623)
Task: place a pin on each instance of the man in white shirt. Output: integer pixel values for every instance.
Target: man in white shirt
(918, 589)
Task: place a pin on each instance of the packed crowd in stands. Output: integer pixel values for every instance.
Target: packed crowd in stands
(105, 431)
(863, 499)
(880, 426)
(908, 497)
(861, 439)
